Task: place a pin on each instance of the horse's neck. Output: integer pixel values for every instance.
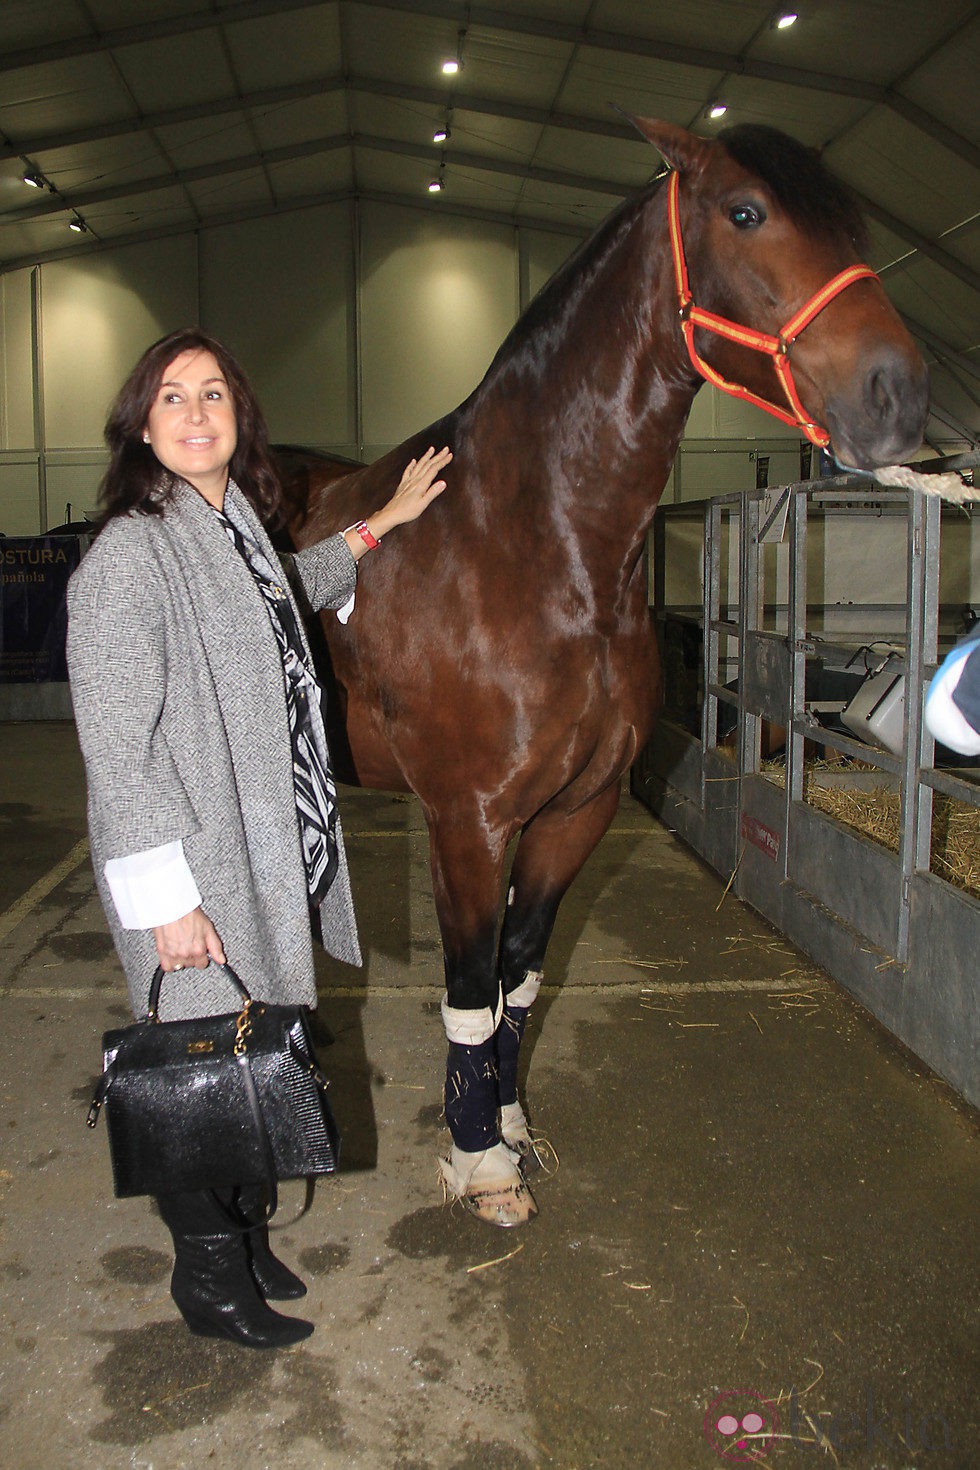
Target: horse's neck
(600, 392)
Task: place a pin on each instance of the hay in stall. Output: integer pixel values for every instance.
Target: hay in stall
(853, 792)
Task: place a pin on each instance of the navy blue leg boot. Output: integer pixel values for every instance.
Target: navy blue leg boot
(510, 1033)
(471, 1095)
(513, 1124)
(481, 1171)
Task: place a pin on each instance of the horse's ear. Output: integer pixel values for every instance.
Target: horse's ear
(680, 149)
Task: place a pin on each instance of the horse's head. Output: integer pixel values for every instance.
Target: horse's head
(760, 230)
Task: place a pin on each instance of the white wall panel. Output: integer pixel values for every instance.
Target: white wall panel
(435, 305)
(16, 385)
(98, 315)
(19, 505)
(280, 293)
(542, 252)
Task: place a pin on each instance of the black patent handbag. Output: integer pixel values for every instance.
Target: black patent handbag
(209, 1103)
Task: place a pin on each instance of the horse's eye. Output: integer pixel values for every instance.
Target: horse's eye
(746, 216)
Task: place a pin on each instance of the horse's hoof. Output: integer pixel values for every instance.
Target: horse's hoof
(516, 1135)
(533, 1149)
(489, 1184)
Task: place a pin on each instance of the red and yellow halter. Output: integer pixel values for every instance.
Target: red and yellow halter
(777, 347)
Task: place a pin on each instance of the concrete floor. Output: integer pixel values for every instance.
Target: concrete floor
(762, 1204)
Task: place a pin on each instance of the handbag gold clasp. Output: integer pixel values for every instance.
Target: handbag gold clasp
(244, 1029)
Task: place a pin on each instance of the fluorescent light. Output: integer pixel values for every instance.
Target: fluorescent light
(784, 21)
(450, 67)
(718, 109)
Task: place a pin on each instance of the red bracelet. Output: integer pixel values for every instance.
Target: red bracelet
(371, 542)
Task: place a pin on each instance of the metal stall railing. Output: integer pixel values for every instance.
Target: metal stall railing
(892, 931)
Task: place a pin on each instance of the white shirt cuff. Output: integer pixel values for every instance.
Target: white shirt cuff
(152, 887)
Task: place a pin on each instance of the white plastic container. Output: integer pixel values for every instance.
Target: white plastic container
(876, 714)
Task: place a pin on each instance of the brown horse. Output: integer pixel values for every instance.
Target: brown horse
(500, 660)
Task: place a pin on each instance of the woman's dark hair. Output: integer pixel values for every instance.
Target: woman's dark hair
(135, 479)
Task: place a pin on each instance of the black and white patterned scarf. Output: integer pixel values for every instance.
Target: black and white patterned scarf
(313, 784)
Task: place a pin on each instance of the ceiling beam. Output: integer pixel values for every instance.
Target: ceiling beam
(149, 121)
(81, 199)
(303, 91)
(427, 153)
(694, 56)
(505, 20)
(149, 30)
(68, 204)
(455, 157)
(264, 210)
(920, 242)
(955, 357)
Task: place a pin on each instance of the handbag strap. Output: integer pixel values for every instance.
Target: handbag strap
(153, 1004)
(262, 1134)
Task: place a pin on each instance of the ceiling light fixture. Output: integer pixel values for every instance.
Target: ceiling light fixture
(717, 109)
(36, 181)
(78, 225)
(436, 186)
(454, 64)
(441, 135)
(785, 19)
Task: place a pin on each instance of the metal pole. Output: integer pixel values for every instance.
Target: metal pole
(915, 836)
(37, 382)
(796, 632)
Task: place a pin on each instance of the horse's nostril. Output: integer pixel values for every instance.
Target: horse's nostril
(893, 391)
(881, 396)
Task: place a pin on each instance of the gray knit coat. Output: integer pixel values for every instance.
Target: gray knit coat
(179, 700)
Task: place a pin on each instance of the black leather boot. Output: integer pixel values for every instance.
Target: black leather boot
(212, 1283)
(273, 1278)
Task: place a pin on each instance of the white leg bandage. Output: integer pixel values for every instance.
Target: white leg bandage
(471, 1028)
(527, 992)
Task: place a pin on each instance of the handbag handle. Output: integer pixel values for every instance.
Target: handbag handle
(157, 981)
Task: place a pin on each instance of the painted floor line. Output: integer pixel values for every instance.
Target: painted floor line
(432, 992)
(18, 911)
(351, 832)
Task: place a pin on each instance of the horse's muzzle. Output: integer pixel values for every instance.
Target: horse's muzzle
(884, 420)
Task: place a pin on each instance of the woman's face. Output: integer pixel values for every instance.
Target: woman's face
(191, 428)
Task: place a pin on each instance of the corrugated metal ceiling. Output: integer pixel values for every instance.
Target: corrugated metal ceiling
(155, 116)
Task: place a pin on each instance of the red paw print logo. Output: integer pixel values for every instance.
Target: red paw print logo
(740, 1425)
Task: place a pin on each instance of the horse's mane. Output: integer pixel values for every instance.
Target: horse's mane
(812, 197)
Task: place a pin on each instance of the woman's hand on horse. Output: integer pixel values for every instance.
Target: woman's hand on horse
(188, 943)
(417, 488)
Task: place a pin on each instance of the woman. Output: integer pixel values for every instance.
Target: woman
(211, 807)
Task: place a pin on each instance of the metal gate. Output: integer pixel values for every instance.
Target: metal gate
(895, 934)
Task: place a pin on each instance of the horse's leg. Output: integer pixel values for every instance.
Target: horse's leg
(549, 855)
(467, 866)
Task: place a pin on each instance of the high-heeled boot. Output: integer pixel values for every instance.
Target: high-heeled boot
(273, 1277)
(212, 1284)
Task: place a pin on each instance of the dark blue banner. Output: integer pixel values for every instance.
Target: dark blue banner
(34, 574)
